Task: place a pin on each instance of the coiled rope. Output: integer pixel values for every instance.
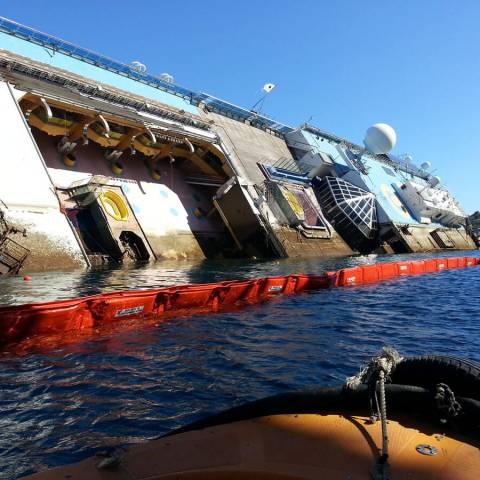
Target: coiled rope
(447, 405)
(375, 374)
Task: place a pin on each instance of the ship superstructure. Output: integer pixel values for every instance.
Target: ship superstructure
(105, 162)
(285, 204)
(411, 212)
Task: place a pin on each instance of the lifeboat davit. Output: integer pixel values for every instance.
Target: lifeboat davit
(423, 425)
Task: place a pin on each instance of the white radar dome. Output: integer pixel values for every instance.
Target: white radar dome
(139, 66)
(408, 159)
(380, 138)
(434, 181)
(425, 165)
(167, 77)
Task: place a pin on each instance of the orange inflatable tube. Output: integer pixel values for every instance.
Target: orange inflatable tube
(24, 321)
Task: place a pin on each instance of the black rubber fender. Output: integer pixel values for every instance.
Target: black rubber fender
(461, 375)
(401, 400)
(411, 393)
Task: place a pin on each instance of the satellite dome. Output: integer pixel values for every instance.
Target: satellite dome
(408, 159)
(380, 138)
(425, 165)
(434, 181)
(138, 66)
(166, 77)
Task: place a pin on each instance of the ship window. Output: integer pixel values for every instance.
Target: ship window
(389, 171)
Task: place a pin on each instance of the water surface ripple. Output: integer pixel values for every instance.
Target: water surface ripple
(62, 404)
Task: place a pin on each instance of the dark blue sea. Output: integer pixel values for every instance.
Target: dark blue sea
(63, 401)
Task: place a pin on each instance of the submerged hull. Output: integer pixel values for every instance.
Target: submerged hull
(420, 238)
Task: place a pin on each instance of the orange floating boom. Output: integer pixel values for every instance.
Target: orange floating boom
(24, 321)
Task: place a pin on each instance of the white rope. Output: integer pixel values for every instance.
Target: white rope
(385, 362)
(375, 374)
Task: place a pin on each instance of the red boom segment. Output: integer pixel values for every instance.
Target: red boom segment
(24, 321)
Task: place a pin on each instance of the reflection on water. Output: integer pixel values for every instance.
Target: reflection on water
(124, 385)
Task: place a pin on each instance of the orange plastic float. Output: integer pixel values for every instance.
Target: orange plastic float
(24, 321)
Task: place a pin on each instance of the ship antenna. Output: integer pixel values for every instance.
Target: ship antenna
(267, 88)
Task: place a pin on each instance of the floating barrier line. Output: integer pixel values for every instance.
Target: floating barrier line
(19, 322)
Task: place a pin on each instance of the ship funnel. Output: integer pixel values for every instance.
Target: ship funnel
(380, 138)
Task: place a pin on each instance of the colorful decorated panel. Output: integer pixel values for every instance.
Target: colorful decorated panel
(380, 180)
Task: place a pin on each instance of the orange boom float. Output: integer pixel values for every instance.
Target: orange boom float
(24, 321)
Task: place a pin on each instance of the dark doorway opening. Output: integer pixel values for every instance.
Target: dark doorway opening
(134, 246)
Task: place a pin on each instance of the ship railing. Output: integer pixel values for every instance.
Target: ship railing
(288, 164)
(195, 98)
(207, 180)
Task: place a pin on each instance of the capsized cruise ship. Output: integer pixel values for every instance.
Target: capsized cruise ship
(104, 162)
(377, 201)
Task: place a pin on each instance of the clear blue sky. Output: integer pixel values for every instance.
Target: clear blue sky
(414, 64)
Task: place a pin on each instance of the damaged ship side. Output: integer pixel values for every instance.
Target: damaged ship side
(107, 163)
(141, 174)
(376, 201)
(288, 221)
